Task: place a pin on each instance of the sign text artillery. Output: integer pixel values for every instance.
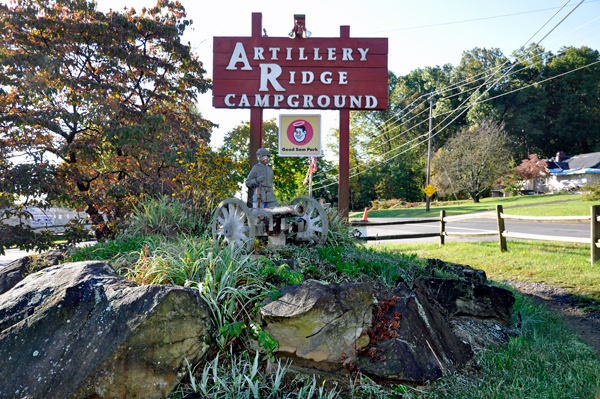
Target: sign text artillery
(312, 73)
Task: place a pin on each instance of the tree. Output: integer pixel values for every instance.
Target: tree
(102, 102)
(289, 172)
(473, 159)
(533, 167)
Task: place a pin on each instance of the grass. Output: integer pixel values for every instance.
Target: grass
(548, 361)
(562, 265)
(486, 204)
(575, 208)
(545, 361)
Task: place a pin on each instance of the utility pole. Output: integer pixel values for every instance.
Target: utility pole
(429, 151)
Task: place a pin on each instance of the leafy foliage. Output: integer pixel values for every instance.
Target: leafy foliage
(593, 193)
(289, 172)
(99, 104)
(473, 159)
(389, 148)
(532, 167)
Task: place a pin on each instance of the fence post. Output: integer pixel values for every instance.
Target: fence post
(501, 239)
(595, 233)
(442, 227)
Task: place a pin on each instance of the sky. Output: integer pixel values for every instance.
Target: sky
(421, 33)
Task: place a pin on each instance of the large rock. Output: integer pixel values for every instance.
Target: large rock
(411, 341)
(78, 331)
(320, 323)
(464, 298)
(13, 273)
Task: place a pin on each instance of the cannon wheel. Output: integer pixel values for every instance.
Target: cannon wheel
(317, 222)
(232, 223)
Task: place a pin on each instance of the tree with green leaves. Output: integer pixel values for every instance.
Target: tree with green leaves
(103, 102)
(289, 172)
(472, 160)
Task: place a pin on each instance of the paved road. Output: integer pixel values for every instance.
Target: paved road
(13, 254)
(474, 226)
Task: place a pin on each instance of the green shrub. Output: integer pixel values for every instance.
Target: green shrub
(593, 193)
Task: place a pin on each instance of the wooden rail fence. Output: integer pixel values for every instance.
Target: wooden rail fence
(502, 233)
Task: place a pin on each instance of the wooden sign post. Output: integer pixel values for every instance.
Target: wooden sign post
(342, 73)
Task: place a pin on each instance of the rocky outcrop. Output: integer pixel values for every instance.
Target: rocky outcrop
(455, 270)
(13, 273)
(411, 341)
(319, 323)
(78, 330)
(481, 334)
(465, 298)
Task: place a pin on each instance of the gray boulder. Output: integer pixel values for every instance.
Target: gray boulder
(481, 334)
(77, 330)
(411, 341)
(464, 298)
(320, 323)
(13, 273)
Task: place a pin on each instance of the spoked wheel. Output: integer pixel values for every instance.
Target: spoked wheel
(232, 224)
(317, 223)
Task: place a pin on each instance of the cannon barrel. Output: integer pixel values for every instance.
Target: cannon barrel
(282, 211)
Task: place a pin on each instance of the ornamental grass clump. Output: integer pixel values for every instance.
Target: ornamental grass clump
(161, 216)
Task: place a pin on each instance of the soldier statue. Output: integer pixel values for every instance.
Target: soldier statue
(261, 179)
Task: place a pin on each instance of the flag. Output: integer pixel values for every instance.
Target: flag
(311, 168)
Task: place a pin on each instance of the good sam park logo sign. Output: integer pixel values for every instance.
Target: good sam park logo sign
(311, 73)
(300, 135)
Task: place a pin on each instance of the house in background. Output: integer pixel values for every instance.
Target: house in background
(571, 172)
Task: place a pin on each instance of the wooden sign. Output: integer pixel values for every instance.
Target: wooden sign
(311, 73)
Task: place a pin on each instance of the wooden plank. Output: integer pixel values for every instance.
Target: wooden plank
(352, 75)
(395, 222)
(487, 215)
(548, 219)
(478, 234)
(398, 237)
(539, 237)
(501, 229)
(595, 233)
(442, 227)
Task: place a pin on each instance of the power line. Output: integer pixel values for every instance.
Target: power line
(476, 101)
(469, 20)
(489, 77)
(451, 86)
(467, 107)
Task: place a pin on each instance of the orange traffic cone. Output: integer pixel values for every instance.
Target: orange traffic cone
(364, 219)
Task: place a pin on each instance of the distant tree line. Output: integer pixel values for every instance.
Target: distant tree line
(561, 114)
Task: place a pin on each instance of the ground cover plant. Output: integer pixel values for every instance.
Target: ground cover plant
(234, 283)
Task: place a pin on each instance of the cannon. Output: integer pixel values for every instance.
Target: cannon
(235, 223)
